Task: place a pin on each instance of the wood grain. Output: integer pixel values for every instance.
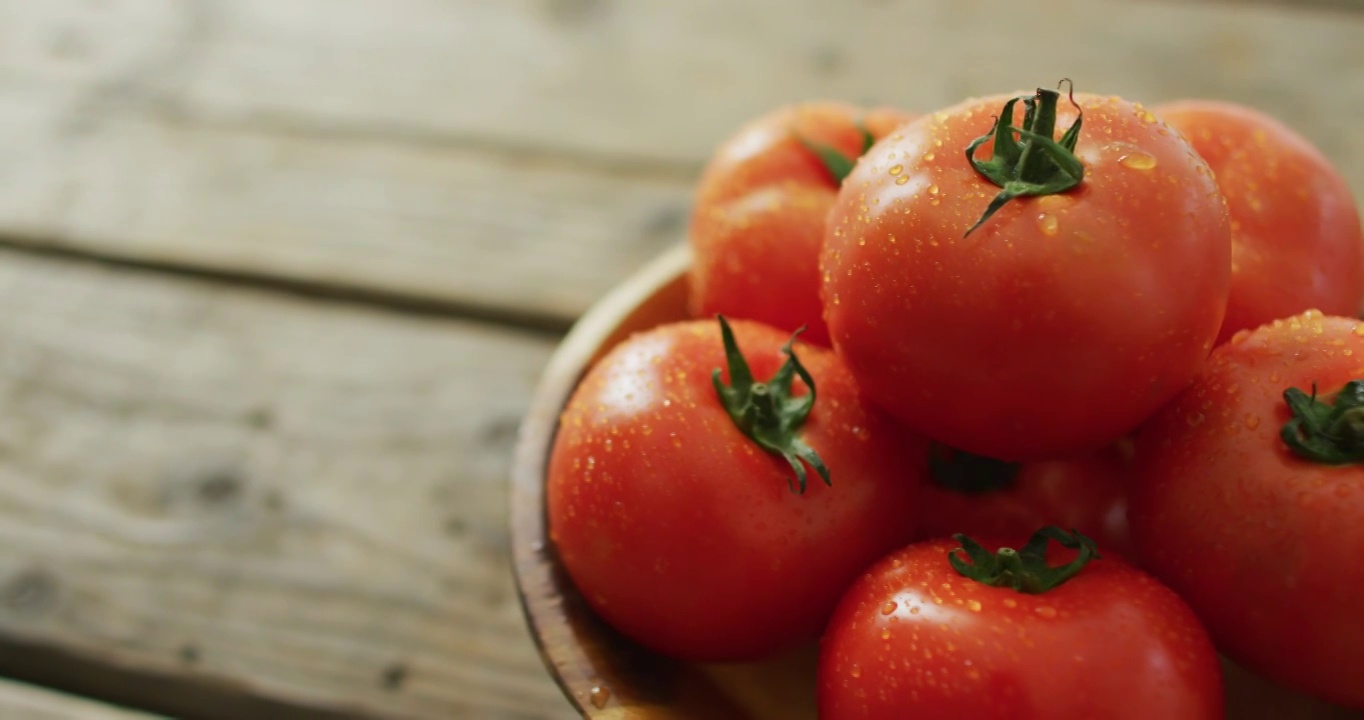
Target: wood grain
(225, 503)
(25, 702)
(516, 159)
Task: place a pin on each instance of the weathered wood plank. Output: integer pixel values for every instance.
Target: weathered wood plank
(525, 155)
(25, 702)
(227, 503)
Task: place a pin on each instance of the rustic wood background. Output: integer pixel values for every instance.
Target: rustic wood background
(279, 277)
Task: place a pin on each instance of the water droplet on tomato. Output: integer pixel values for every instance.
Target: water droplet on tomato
(885, 634)
(933, 189)
(1047, 611)
(856, 671)
(1010, 603)
(1048, 224)
(889, 607)
(902, 180)
(929, 156)
(973, 605)
(897, 169)
(600, 695)
(1252, 421)
(1138, 161)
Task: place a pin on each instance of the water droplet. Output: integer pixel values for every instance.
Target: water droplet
(1138, 161)
(1147, 117)
(902, 180)
(885, 634)
(856, 671)
(889, 607)
(1010, 603)
(933, 189)
(913, 609)
(928, 156)
(897, 169)
(1047, 611)
(973, 605)
(600, 695)
(1048, 224)
(1252, 421)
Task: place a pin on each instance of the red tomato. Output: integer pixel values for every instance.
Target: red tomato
(683, 533)
(758, 218)
(980, 496)
(1263, 543)
(1055, 327)
(1295, 233)
(915, 638)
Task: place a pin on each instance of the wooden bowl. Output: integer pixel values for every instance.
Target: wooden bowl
(606, 676)
(603, 674)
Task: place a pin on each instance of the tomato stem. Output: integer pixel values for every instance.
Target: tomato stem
(767, 412)
(1033, 163)
(1329, 433)
(833, 160)
(967, 473)
(1024, 570)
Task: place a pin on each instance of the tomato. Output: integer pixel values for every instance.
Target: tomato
(682, 532)
(758, 217)
(985, 497)
(1264, 543)
(916, 638)
(1062, 320)
(1295, 232)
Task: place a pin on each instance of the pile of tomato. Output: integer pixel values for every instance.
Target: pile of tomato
(1029, 407)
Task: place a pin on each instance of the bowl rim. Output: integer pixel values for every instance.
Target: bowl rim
(535, 564)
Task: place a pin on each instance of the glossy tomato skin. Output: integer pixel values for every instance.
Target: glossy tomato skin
(758, 217)
(1295, 230)
(1263, 545)
(914, 639)
(1055, 327)
(683, 534)
(1086, 493)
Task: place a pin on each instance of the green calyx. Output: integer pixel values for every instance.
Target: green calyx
(767, 412)
(1023, 570)
(838, 164)
(969, 474)
(1032, 163)
(1331, 433)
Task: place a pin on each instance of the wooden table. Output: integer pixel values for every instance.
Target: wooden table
(279, 277)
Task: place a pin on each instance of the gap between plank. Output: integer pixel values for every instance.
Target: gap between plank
(544, 324)
(176, 694)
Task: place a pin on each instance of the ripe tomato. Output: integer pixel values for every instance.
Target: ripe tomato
(682, 532)
(1054, 327)
(1264, 544)
(980, 496)
(916, 638)
(758, 218)
(1295, 233)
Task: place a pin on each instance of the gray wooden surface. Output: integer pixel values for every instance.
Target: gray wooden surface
(280, 276)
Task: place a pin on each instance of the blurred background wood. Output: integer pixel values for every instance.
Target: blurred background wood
(281, 274)
(25, 702)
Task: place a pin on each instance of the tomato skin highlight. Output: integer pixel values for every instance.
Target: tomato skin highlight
(1265, 546)
(914, 639)
(1054, 328)
(1087, 493)
(683, 534)
(758, 217)
(1295, 228)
